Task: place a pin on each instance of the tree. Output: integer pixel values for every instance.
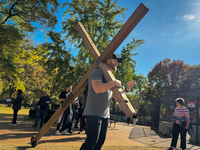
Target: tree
(99, 19)
(126, 70)
(166, 77)
(17, 18)
(23, 13)
(11, 39)
(190, 83)
(59, 63)
(29, 74)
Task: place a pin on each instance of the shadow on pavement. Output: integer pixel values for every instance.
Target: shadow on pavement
(72, 139)
(23, 147)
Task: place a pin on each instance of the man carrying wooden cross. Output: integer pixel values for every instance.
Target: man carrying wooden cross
(97, 110)
(99, 91)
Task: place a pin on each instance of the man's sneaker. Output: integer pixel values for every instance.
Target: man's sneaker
(35, 125)
(75, 127)
(170, 148)
(12, 124)
(79, 132)
(65, 132)
(57, 132)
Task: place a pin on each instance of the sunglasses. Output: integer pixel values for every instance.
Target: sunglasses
(45, 93)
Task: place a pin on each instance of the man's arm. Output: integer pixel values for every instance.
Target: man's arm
(13, 100)
(61, 99)
(39, 103)
(100, 87)
(17, 100)
(130, 84)
(49, 101)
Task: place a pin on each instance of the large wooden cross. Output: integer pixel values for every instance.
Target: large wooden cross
(99, 59)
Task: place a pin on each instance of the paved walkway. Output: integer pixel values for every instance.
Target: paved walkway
(145, 135)
(120, 137)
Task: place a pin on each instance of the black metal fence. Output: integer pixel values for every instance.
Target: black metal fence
(144, 113)
(162, 109)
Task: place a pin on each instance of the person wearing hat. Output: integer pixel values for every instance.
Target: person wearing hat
(97, 109)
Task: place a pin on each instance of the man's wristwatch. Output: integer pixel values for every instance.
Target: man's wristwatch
(126, 90)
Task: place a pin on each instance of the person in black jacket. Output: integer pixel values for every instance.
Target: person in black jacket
(42, 108)
(17, 103)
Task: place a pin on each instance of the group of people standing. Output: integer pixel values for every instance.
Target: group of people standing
(41, 111)
(66, 119)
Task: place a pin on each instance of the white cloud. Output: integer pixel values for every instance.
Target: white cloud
(189, 17)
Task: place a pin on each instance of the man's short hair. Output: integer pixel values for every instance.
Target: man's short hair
(180, 101)
(20, 91)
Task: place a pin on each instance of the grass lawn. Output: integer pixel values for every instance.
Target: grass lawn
(9, 110)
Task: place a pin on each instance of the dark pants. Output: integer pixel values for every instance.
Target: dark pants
(128, 120)
(70, 124)
(42, 113)
(65, 120)
(73, 116)
(80, 112)
(96, 132)
(77, 119)
(65, 115)
(14, 116)
(82, 123)
(175, 133)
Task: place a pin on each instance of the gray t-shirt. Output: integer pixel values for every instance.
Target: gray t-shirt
(98, 104)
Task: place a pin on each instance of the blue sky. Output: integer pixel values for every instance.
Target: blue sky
(171, 29)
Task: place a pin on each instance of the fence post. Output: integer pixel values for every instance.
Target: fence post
(139, 114)
(197, 119)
